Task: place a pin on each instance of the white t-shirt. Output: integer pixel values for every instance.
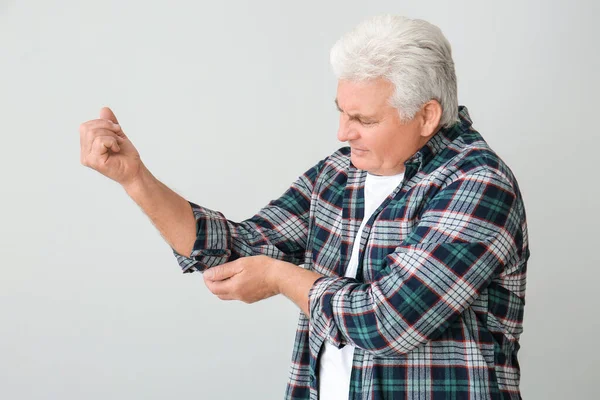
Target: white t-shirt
(335, 364)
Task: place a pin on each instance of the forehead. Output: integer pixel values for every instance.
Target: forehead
(364, 96)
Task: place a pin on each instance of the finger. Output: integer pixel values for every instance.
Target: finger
(220, 288)
(223, 271)
(99, 124)
(88, 139)
(106, 113)
(102, 144)
(101, 132)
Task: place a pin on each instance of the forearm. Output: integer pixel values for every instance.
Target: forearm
(170, 213)
(294, 283)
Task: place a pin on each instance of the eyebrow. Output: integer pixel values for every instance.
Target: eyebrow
(355, 116)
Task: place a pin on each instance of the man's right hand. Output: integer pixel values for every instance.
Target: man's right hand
(106, 149)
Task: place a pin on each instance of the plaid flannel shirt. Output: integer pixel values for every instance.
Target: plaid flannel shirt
(436, 308)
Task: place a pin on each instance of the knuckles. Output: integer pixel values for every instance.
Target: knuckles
(96, 125)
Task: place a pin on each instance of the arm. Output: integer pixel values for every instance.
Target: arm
(251, 279)
(279, 230)
(107, 149)
(467, 234)
(170, 213)
(294, 283)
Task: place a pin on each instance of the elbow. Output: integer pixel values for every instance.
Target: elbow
(384, 348)
(395, 340)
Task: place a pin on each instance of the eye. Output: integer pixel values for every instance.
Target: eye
(368, 123)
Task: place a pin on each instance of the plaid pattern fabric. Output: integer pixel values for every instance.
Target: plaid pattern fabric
(436, 310)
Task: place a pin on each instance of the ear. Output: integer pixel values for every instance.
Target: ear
(431, 116)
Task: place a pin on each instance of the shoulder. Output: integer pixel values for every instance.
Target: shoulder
(481, 177)
(469, 154)
(331, 169)
(336, 163)
(339, 160)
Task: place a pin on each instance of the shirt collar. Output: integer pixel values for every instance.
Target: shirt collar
(441, 140)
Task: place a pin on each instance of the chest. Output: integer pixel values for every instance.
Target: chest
(336, 216)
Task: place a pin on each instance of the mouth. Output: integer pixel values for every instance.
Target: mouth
(358, 151)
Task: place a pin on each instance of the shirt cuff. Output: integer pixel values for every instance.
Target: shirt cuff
(211, 247)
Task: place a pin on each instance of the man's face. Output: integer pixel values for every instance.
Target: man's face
(380, 142)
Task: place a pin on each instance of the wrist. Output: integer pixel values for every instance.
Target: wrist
(276, 272)
(140, 182)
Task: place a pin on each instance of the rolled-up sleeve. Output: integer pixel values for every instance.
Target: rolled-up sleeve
(468, 233)
(279, 230)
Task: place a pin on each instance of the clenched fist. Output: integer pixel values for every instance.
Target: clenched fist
(106, 149)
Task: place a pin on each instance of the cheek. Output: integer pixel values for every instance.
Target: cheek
(383, 146)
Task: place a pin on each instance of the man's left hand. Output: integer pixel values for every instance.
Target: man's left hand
(248, 279)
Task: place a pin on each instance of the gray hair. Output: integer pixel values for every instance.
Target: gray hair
(412, 54)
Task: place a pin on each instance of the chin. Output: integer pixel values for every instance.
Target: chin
(360, 163)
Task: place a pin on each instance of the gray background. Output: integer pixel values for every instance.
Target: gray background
(228, 102)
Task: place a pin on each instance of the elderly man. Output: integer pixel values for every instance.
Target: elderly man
(413, 238)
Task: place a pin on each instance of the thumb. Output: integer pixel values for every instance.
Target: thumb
(222, 272)
(106, 113)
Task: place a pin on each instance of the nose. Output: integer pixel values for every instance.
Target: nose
(346, 131)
